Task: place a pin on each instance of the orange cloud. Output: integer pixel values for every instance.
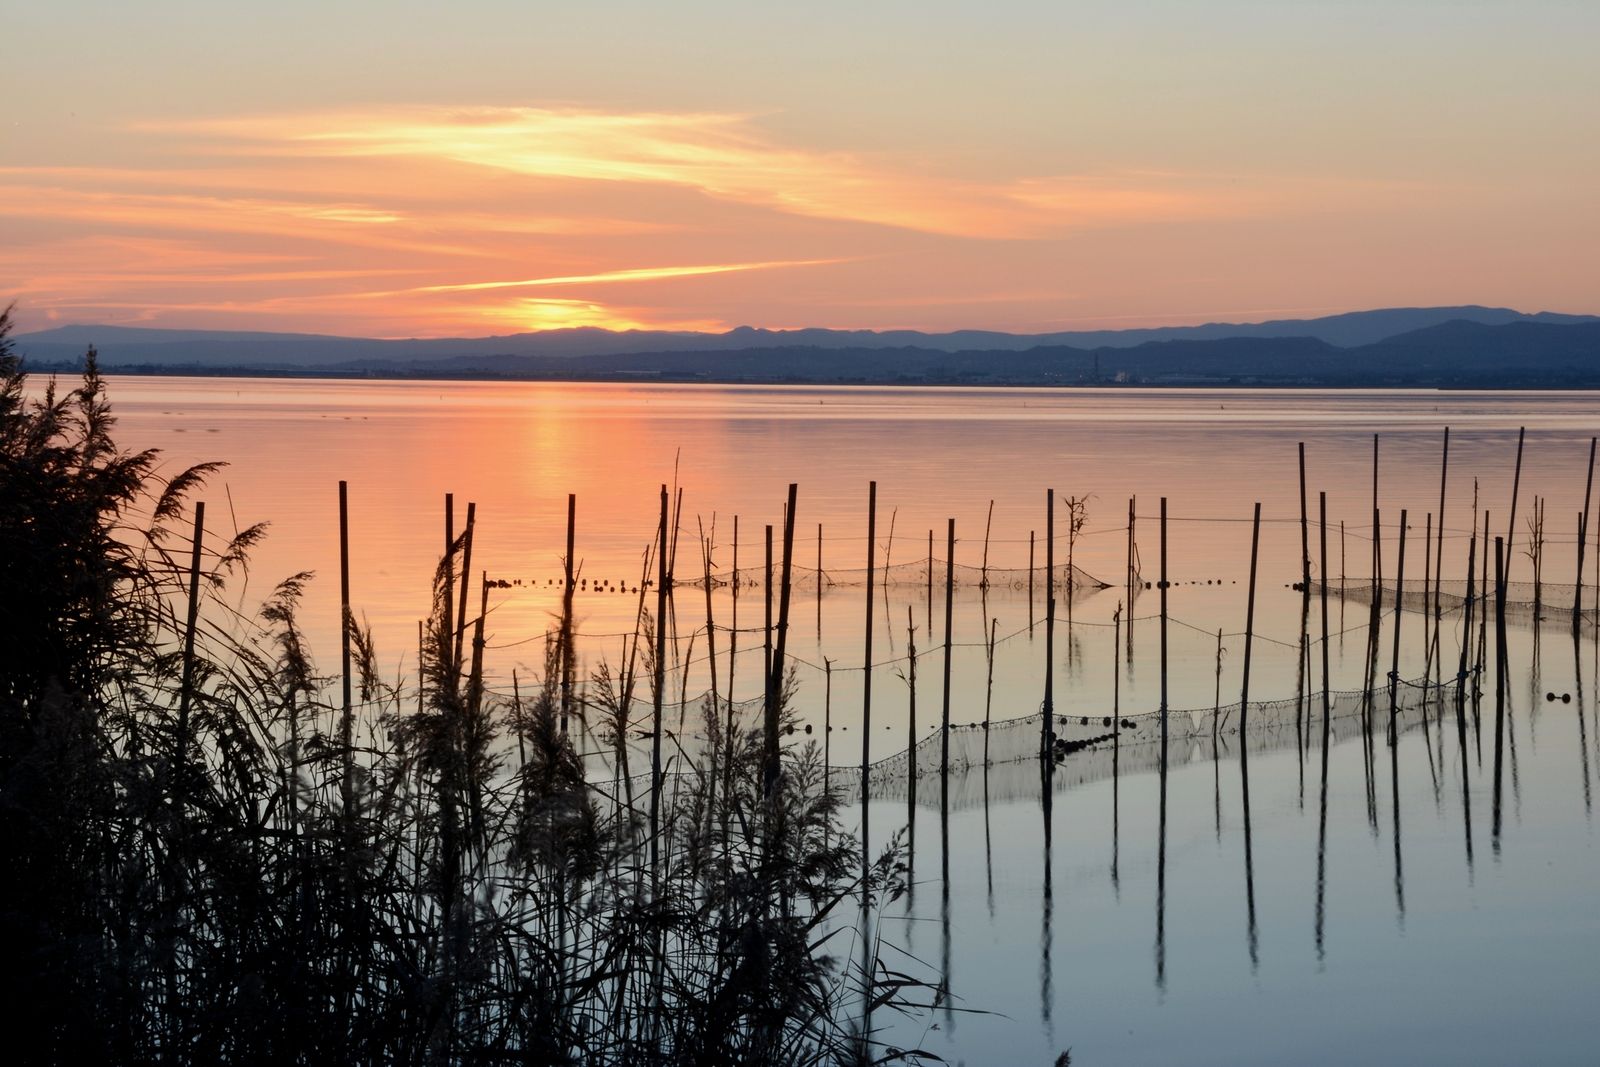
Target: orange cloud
(429, 221)
(636, 274)
(724, 156)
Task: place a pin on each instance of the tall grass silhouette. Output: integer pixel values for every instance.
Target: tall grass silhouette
(208, 861)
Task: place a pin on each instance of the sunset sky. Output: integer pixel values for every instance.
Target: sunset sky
(407, 169)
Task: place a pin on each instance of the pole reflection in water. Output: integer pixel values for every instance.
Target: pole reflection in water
(1301, 702)
(1047, 903)
(988, 708)
(1216, 761)
(1583, 727)
(1463, 675)
(1394, 802)
(1499, 684)
(1161, 842)
(1394, 722)
(944, 898)
(911, 773)
(1116, 749)
(1322, 799)
(1244, 744)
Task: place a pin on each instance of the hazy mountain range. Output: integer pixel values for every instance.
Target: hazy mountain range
(1468, 346)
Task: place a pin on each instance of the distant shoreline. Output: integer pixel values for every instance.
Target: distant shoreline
(1275, 385)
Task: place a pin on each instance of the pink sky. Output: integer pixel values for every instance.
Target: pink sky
(1131, 165)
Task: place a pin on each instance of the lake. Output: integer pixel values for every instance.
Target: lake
(1397, 905)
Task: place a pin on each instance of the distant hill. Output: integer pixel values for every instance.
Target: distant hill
(1480, 347)
(128, 345)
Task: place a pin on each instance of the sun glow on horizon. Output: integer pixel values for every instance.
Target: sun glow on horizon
(430, 221)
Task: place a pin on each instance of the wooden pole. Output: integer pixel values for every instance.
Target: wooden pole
(988, 523)
(1164, 584)
(346, 621)
(1399, 600)
(1305, 533)
(819, 582)
(1322, 526)
(911, 718)
(1132, 548)
(779, 654)
(449, 567)
(733, 635)
(466, 572)
(1250, 620)
(344, 610)
(1583, 537)
(766, 630)
(568, 656)
(866, 679)
(1438, 555)
(1046, 730)
(1030, 582)
(949, 602)
(1516, 486)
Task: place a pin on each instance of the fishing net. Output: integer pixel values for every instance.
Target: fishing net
(1002, 761)
(1096, 753)
(1523, 599)
(912, 573)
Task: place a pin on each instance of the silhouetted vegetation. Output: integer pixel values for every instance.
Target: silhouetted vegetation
(206, 861)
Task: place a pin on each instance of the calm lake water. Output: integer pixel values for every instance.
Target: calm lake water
(1435, 936)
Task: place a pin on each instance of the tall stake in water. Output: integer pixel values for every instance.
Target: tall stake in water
(1305, 534)
(1516, 486)
(1116, 737)
(1163, 625)
(1394, 663)
(733, 651)
(1045, 726)
(866, 679)
(1583, 538)
(466, 581)
(568, 656)
(1438, 555)
(767, 700)
(949, 603)
(911, 727)
(1244, 744)
(346, 718)
(775, 686)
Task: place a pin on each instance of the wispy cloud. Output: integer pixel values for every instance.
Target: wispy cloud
(728, 157)
(430, 221)
(635, 274)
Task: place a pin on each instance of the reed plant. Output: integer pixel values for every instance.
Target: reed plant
(205, 859)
